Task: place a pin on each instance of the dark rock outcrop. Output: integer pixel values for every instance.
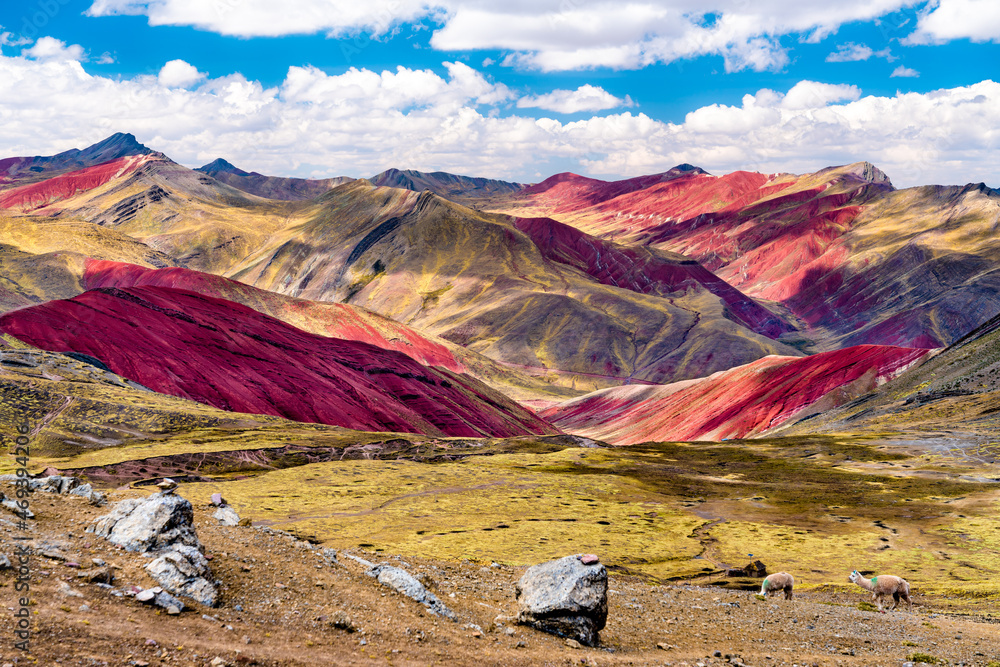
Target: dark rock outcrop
(565, 597)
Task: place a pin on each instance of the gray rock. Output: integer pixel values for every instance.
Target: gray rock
(58, 483)
(183, 570)
(403, 582)
(146, 524)
(564, 597)
(165, 600)
(218, 500)
(331, 556)
(227, 516)
(87, 491)
(147, 595)
(11, 505)
(5, 562)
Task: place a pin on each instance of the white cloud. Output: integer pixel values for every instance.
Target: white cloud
(50, 48)
(106, 59)
(978, 20)
(179, 74)
(584, 98)
(8, 39)
(904, 71)
(266, 18)
(812, 95)
(361, 122)
(548, 35)
(851, 52)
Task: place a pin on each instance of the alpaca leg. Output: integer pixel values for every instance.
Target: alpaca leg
(895, 600)
(788, 593)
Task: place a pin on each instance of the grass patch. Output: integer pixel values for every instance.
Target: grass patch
(925, 658)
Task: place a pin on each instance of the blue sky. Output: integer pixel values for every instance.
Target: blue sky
(313, 88)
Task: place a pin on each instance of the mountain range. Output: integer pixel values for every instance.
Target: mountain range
(673, 306)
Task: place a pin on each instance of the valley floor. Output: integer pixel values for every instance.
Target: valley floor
(280, 597)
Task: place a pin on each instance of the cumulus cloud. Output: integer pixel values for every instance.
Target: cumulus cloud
(179, 74)
(851, 52)
(106, 59)
(50, 48)
(548, 35)
(977, 20)
(584, 98)
(905, 72)
(360, 122)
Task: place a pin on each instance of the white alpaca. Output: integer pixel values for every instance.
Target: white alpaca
(779, 581)
(882, 585)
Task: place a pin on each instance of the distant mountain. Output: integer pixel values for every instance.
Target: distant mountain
(449, 186)
(853, 259)
(574, 191)
(16, 170)
(271, 187)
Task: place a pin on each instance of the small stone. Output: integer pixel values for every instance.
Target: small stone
(280, 586)
(217, 661)
(172, 610)
(167, 485)
(217, 499)
(589, 559)
(165, 600)
(663, 646)
(84, 608)
(226, 516)
(717, 654)
(572, 643)
(340, 619)
(99, 562)
(509, 632)
(238, 607)
(150, 642)
(4, 562)
(145, 596)
(67, 590)
(72, 564)
(102, 575)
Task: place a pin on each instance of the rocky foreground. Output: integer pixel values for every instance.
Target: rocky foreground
(284, 601)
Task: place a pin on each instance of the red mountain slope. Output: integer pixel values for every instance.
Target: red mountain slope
(644, 270)
(737, 403)
(337, 320)
(33, 196)
(232, 357)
